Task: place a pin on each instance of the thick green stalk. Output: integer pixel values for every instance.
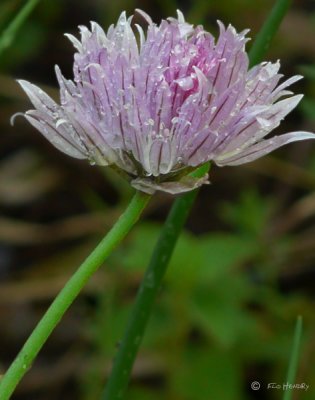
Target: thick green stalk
(68, 294)
(6, 38)
(120, 375)
(268, 30)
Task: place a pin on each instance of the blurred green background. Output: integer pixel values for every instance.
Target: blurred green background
(244, 267)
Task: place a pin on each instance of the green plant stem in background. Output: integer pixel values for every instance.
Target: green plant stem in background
(120, 375)
(7, 37)
(67, 295)
(294, 359)
(268, 30)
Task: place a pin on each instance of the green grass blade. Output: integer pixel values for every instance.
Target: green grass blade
(294, 359)
(8, 35)
(267, 32)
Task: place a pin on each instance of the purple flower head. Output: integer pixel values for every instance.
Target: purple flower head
(159, 104)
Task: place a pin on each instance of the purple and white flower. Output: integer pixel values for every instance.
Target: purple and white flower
(158, 104)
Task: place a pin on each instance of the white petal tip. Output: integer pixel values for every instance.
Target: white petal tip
(18, 114)
(23, 83)
(144, 15)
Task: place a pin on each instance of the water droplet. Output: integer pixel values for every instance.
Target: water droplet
(150, 280)
(149, 122)
(192, 51)
(186, 83)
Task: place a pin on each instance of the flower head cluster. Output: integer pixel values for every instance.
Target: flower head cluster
(158, 104)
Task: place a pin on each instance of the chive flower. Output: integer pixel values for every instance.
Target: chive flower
(156, 105)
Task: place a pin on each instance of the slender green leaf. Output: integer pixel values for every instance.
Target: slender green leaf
(7, 37)
(267, 32)
(294, 359)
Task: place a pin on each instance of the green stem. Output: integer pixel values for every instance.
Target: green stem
(67, 295)
(120, 375)
(8, 35)
(268, 30)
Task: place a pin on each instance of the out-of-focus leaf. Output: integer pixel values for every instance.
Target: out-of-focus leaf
(138, 247)
(218, 309)
(210, 374)
(249, 214)
(107, 333)
(141, 393)
(307, 106)
(308, 71)
(222, 253)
